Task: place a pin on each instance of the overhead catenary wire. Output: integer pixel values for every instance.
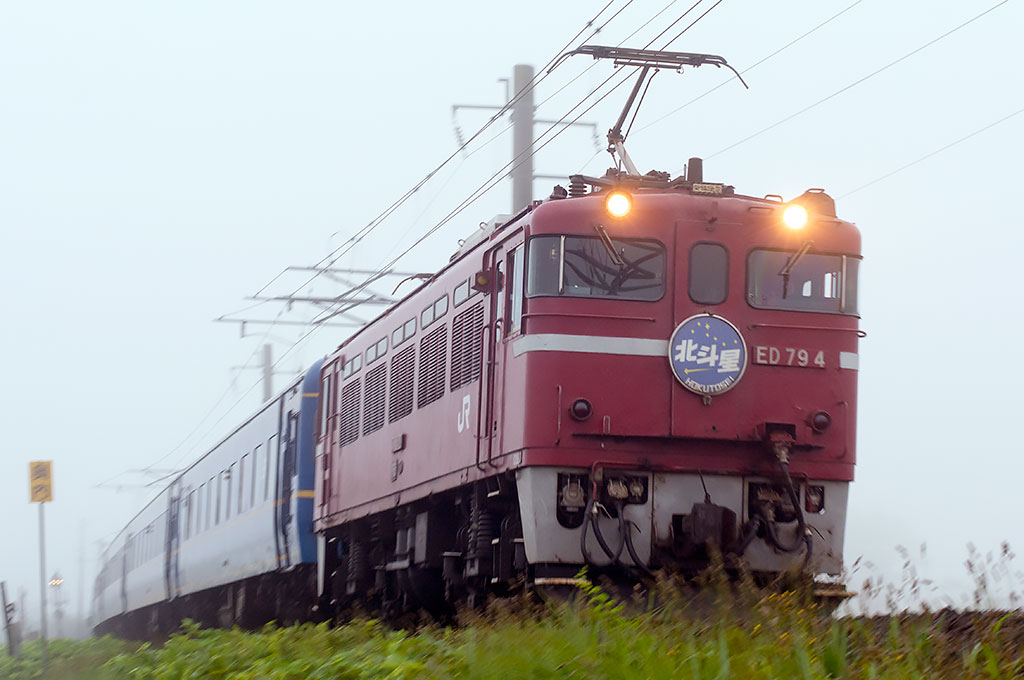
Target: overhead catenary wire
(933, 153)
(345, 247)
(542, 74)
(211, 410)
(680, 34)
(305, 336)
(483, 189)
(332, 257)
(583, 73)
(492, 181)
(752, 66)
(859, 80)
(500, 174)
(670, 26)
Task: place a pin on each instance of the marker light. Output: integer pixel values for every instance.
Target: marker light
(581, 409)
(795, 217)
(618, 204)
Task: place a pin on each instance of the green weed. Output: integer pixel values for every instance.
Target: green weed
(740, 633)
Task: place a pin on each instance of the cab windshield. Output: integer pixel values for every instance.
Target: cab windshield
(803, 282)
(584, 266)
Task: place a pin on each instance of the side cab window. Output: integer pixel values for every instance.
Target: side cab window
(515, 291)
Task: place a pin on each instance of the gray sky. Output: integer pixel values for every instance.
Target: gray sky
(159, 162)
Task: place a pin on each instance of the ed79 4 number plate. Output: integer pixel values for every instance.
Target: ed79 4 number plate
(799, 357)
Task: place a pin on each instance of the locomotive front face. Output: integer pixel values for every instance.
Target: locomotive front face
(690, 366)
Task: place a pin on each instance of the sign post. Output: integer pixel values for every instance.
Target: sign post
(40, 480)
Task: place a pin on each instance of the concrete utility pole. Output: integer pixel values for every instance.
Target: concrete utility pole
(268, 373)
(522, 137)
(523, 121)
(266, 367)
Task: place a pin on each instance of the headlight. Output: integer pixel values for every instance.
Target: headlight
(795, 217)
(618, 203)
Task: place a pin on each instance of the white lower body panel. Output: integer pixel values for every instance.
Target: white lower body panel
(546, 541)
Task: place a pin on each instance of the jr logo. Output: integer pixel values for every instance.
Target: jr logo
(464, 414)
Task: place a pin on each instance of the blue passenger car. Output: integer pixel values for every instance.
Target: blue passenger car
(230, 539)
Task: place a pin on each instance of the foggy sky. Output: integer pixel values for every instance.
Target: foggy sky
(161, 162)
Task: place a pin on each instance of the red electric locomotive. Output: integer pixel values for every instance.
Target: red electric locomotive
(629, 375)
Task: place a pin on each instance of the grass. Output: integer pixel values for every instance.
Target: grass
(735, 633)
(68, 659)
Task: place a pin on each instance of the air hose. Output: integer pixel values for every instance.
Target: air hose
(764, 517)
(627, 535)
(750, 529)
(803, 536)
(591, 519)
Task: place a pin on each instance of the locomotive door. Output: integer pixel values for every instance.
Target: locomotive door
(506, 310)
(488, 438)
(707, 355)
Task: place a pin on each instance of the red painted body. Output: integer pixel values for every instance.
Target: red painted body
(643, 417)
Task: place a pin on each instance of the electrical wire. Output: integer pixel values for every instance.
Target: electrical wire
(295, 345)
(752, 66)
(332, 257)
(209, 412)
(504, 109)
(858, 81)
(345, 247)
(483, 189)
(669, 27)
(680, 34)
(543, 73)
(581, 74)
(491, 182)
(649, 43)
(933, 153)
(621, 42)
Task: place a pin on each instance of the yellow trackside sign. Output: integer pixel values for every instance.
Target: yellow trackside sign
(40, 481)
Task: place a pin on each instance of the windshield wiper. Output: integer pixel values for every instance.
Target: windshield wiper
(790, 263)
(606, 240)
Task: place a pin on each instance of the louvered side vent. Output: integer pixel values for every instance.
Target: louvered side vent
(348, 430)
(373, 399)
(403, 367)
(467, 346)
(433, 367)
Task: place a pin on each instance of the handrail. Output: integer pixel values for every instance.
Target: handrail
(584, 315)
